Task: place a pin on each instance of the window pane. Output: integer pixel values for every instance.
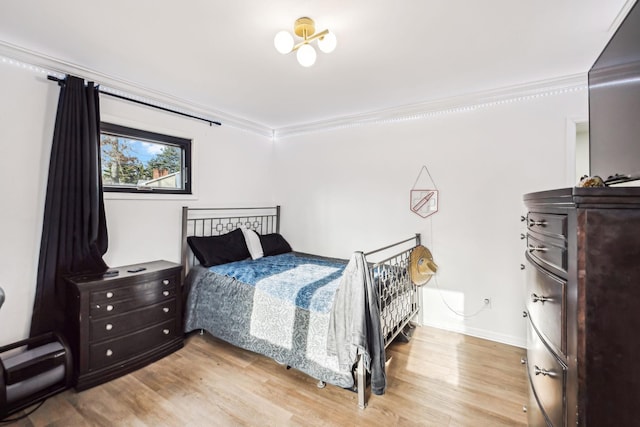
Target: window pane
(134, 163)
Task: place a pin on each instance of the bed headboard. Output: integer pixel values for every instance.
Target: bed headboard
(217, 221)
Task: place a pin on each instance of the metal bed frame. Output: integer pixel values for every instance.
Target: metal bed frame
(216, 221)
(398, 301)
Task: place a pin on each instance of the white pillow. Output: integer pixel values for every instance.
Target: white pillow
(253, 243)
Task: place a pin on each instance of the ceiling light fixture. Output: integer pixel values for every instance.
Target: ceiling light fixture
(305, 27)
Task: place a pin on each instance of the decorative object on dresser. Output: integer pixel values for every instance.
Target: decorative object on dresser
(583, 271)
(329, 318)
(123, 322)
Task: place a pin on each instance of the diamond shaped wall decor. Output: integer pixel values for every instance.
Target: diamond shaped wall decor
(424, 202)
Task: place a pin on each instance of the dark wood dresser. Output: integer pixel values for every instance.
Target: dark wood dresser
(121, 323)
(583, 306)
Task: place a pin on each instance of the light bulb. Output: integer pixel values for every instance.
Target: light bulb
(283, 41)
(327, 43)
(306, 55)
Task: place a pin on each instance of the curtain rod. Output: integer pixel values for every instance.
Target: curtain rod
(147, 104)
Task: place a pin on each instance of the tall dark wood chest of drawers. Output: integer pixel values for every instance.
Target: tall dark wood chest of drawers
(583, 306)
(121, 323)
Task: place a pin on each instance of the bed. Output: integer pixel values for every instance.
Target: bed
(329, 318)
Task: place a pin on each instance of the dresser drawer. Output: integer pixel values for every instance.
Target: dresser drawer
(547, 305)
(548, 377)
(120, 323)
(113, 326)
(112, 351)
(114, 307)
(553, 225)
(535, 416)
(138, 291)
(550, 253)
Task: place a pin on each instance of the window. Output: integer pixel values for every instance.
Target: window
(138, 161)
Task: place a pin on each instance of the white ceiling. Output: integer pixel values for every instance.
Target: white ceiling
(220, 54)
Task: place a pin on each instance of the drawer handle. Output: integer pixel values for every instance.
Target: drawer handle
(540, 298)
(165, 282)
(108, 327)
(523, 361)
(543, 372)
(523, 218)
(109, 307)
(109, 353)
(165, 331)
(537, 248)
(524, 408)
(165, 309)
(522, 267)
(165, 293)
(533, 223)
(522, 236)
(109, 294)
(525, 314)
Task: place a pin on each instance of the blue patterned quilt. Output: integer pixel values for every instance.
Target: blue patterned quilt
(308, 282)
(278, 306)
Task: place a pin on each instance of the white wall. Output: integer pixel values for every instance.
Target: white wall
(231, 168)
(27, 111)
(341, 190)
(348, 189)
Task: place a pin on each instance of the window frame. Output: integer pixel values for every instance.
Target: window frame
(146, 136)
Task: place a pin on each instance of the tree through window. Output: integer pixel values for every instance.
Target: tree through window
(134, 160)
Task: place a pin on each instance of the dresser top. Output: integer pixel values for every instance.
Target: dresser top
(124, 273)
(579, 196)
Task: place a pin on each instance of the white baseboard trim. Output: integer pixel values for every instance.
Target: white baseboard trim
(480, 333)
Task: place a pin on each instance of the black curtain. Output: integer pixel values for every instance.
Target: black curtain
(74, 232)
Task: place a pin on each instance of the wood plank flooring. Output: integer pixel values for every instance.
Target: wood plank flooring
(440, 378)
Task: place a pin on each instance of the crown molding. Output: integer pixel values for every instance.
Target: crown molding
(48, 65)
(42, 63)
(624, 11)
(458, 104)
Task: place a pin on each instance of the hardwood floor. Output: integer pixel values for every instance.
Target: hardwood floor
(438, 379)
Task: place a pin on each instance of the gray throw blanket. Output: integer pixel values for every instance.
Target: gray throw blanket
(354, 325)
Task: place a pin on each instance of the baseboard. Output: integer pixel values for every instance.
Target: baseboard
(480, 333)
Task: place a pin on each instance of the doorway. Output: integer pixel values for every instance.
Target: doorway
(577, 150)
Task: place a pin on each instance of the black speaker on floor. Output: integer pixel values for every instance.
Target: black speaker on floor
(32, 370)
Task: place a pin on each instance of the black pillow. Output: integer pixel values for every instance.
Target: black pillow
(216, 250)
(274, 244)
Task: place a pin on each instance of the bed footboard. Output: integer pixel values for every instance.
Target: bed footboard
(398, 301)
